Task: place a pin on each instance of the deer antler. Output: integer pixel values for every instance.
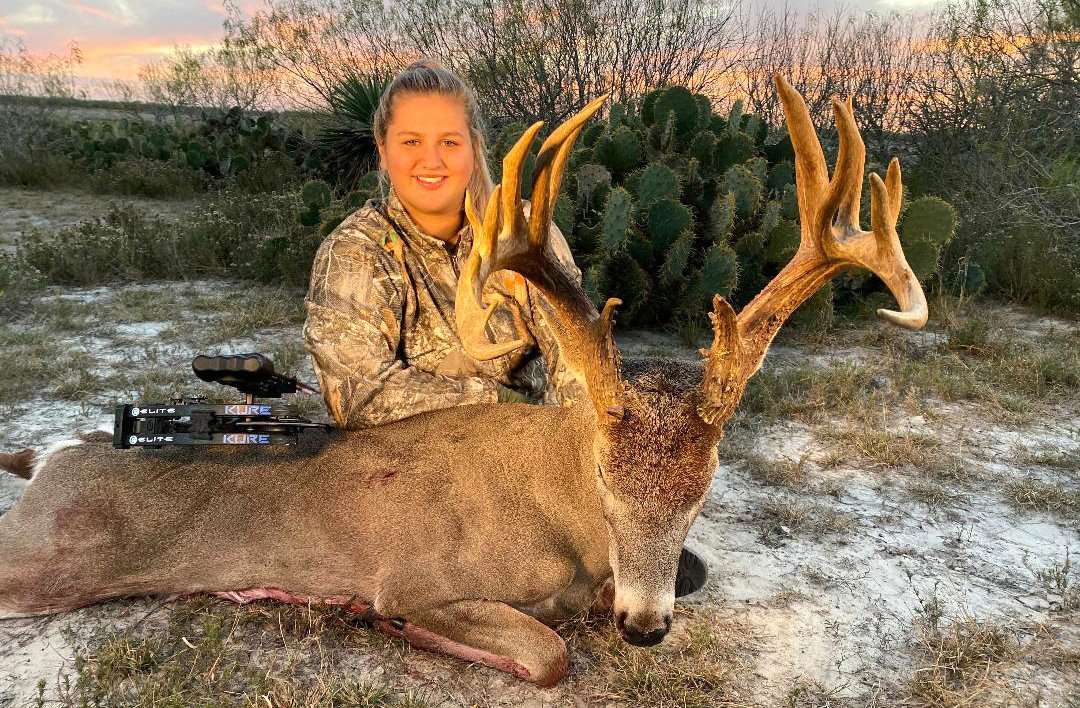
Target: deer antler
(831, 241)
(505, 239)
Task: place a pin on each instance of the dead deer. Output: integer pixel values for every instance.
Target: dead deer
(466, 530)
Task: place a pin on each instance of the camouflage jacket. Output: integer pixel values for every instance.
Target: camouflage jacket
(381, 331)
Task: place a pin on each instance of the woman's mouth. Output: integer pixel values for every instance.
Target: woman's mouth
(430, 182)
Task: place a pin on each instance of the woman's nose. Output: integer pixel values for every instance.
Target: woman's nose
(431, 157)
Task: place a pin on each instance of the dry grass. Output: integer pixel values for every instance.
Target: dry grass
(809, 693)
(27, 358)
(1060, 579)
(809, 393)
(1034, 494)
(882, 448)
(1062, 458)
(780, 518)
(262, 309)
(704, 667)
(210, 653)
(930, 493)
(1012, 374)
(773, 472)
(956, 663)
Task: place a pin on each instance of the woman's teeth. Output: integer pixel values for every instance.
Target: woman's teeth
(431, 180)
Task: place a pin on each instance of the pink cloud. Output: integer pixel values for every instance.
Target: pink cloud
(90, 10)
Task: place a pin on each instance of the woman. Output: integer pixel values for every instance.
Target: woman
(380, 309)
(380, 325)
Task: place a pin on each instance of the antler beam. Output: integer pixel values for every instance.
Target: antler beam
(831, 241)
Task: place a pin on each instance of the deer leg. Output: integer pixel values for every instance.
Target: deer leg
(492, 633)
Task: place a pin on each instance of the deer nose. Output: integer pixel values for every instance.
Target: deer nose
(642, 636)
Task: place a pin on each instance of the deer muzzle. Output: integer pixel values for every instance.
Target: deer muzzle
(643, 619)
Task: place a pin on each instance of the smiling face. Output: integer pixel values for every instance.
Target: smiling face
(428, 155)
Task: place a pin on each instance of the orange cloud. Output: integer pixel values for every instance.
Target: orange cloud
(123, 61)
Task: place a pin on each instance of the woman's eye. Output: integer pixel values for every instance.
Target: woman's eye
(451, 143)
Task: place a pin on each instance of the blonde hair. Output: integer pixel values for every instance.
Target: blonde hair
(428, 76)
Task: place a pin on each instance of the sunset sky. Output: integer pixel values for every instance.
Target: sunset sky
(118, 36)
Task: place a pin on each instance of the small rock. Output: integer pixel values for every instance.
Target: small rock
(1036, 603)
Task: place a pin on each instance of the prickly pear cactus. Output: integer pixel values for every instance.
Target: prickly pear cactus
(667, 219)
(927, 226)
(657, 181)
(669, 202)
(680, 102)
(315, 195)
(593, 182)
(747, 188)
(722, 218)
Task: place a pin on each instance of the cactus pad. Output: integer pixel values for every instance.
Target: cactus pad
(657, 181)
(315, 194)
(667, 219)
(617, 213)
(747, 189)
(677, 100)
(929, 218)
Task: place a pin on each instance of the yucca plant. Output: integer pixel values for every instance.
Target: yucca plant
(347, 141)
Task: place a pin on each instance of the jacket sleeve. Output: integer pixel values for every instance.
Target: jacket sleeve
(353, 328)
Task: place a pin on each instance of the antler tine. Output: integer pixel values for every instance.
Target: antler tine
(471, 314)
(506, 240)
(894, 188)
(511, 217)
(550, 163)
(845, 188)
(811, 175)
(886, 256)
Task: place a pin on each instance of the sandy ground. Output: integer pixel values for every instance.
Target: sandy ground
(835, 608)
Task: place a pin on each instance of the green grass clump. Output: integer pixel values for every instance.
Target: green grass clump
(246, 236)
(806, 393)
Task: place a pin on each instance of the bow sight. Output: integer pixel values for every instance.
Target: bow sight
(193, 421)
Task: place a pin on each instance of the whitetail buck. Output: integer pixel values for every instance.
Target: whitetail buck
(463, 530)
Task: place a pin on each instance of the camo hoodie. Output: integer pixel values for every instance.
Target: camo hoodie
(381, 331)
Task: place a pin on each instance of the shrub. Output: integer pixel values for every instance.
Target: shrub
(123, 244)
(247, 236)
(144, 177)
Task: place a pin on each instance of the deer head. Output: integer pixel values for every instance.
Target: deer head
(656, 424)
